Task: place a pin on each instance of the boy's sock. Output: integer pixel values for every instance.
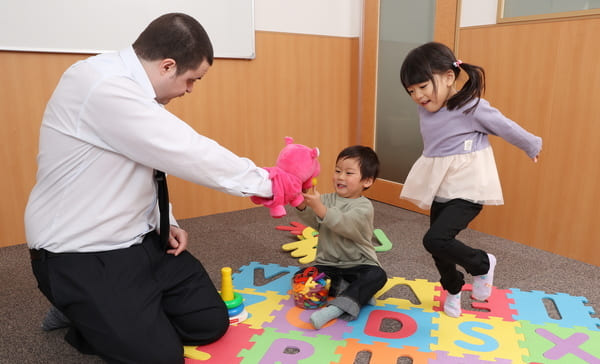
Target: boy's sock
(55, 320)
(452, 305)
(324, 315)
(482, 285)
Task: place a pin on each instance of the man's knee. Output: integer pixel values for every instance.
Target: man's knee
(208, 329)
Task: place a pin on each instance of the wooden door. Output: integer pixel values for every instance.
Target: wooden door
(445, 30)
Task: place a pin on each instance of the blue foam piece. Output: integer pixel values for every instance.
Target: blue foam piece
(278, 282)
(572, 309)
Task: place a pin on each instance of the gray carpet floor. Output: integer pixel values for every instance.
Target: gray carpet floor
(238, 238)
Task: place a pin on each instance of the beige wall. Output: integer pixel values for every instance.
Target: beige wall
(299, 85)
(545, 76)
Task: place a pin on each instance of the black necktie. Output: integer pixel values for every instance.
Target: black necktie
(163, 206)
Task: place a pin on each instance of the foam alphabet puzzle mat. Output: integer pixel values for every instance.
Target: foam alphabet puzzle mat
(512, 326)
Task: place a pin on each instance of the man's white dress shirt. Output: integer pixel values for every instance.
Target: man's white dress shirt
(101, 138)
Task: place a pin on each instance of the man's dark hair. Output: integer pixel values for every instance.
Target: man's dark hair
(177, 36)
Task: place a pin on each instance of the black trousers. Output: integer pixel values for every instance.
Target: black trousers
(134, 305)
(446, 221)
(362, 281)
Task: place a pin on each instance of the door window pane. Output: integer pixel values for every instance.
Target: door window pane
(403, 25)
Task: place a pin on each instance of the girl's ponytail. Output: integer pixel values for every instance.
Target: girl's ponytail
(472, 89)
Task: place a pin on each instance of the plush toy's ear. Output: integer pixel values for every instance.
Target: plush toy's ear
(288, 140)
(315, 152)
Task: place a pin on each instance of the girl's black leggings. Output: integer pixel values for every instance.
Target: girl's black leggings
(446, 221)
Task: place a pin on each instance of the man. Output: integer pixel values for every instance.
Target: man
(92, 217)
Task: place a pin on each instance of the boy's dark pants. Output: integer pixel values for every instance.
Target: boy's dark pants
(446, 221)
(363, 282)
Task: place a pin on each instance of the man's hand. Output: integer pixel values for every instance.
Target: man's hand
(178, 240)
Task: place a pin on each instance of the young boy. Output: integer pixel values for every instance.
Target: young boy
(344, 220)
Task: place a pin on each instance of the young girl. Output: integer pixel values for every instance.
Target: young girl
(344, 220)
(456, 175)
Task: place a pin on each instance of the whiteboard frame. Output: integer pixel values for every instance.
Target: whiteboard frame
(543, 14)
(25, 24)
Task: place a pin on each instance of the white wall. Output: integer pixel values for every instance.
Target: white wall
(478, 12)
(341, 18)
(76, 26)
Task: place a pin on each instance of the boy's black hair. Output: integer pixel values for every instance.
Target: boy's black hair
(367, 160)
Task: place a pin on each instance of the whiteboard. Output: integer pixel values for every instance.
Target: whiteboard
(85, 26)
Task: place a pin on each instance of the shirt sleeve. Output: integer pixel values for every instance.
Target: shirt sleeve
(118, 117)
(489, 120)
(351, 223)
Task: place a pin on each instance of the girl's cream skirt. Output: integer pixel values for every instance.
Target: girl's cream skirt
(472, 177)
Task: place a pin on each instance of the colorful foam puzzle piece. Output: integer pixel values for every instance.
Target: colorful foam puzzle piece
(572, 309)
(278, 277)
(381, 353)
(305, 248)
(497, 305)
(260, 306)
(224, 350)
(488, 339)
(193, 354)
(416, 327)
(551, 342)
(296, 228)
(443, 358)
(385, 243)
(423, 290)
(293, 318)
(271, 347)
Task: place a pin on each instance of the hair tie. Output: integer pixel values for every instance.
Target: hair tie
(457, 63)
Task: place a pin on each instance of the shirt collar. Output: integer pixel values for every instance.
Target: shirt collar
(138, 72)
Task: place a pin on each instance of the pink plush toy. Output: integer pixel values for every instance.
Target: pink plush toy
(296, 167)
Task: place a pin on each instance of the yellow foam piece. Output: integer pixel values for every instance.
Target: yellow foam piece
(424, 291)
(192, 353)
(503, 332)
(305, 248)
(259, 312)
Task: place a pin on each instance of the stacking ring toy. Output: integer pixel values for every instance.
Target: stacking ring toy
(235, 302)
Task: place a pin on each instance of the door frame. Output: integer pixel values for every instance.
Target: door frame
(447, 13)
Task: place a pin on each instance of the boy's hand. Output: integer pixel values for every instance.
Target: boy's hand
(312, 199)
(311, 196)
